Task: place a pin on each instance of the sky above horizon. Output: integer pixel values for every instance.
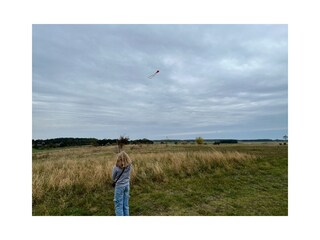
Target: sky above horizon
(215, 81)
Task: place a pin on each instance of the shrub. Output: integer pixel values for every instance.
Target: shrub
(199, 140)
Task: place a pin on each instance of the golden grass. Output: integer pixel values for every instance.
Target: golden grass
(91, 167)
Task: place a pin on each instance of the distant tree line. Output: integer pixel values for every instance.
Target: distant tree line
(141, 141)
(62, 142)
(72, 142)
(226, 141)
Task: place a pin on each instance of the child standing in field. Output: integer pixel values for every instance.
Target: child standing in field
(121, 173)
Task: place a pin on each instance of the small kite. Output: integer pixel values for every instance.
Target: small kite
(152, 75)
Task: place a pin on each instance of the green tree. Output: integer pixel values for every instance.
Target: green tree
(199, 140)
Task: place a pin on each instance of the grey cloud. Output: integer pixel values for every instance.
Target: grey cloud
(91, 80)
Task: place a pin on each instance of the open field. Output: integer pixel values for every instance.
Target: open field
(177, 179)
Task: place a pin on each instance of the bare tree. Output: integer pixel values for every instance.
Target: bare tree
(121, 142)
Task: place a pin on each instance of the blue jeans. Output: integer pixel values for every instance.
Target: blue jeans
(121, 200)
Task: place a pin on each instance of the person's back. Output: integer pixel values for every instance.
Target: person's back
(125, 176)
(121, 174)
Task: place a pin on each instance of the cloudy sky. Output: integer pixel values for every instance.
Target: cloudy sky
(215, 81)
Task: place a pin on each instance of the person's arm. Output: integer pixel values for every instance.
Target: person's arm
(114, 173)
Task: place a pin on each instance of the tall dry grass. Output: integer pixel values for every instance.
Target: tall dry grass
(91, 168)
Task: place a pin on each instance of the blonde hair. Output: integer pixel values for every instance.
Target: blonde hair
(123, 160)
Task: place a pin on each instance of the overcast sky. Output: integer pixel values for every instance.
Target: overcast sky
(215, 81)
